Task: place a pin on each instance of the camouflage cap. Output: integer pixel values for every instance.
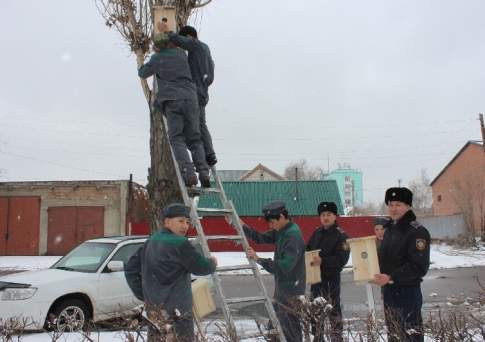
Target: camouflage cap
(161, 40)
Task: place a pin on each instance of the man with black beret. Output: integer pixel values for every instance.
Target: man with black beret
(334, 254)
(404, 261)
(287, 266)
(167, 263)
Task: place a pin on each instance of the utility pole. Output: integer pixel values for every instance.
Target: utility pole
(482, 127)
(399, 182)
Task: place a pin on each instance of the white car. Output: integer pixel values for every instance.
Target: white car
(86, 284)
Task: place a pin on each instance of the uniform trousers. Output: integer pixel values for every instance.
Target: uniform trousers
(402, 307)
(184, 132)
(329, 288)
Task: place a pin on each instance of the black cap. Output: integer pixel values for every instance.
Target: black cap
(175, 210)
(327, 206)
(274, 209)
(188, 31)
(381, 220)
(399, 194)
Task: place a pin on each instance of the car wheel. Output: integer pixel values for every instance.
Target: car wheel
(68, 316)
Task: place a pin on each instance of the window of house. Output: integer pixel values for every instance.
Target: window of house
(439, 198)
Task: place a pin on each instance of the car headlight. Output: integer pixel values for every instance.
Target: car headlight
(17, 293)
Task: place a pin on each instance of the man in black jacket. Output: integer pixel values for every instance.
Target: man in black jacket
(404, 261)
(334, 254)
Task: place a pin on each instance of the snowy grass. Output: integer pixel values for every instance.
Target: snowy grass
(442, 256)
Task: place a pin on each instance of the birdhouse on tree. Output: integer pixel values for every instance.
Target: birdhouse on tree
(313, 275)
(203, 302)
(164, 13)
(364, 258)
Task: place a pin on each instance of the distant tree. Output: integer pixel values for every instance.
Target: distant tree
(422, 194)
(369, 208)
(302, 171)
(469, 195)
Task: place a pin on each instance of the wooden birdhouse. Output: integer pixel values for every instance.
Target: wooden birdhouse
(313, 275)
(203, 302)
(364, 258)
(164, 13)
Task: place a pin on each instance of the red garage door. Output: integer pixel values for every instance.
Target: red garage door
(69, 226)
(3, 225)
(19, 225)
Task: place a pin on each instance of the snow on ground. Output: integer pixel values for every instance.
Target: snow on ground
(211, 329)
(442, 256)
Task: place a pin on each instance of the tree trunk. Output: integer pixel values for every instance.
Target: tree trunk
(163, 187)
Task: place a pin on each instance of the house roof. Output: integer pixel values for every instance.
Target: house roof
(470, 142)
(261, 167)
(301, 197)
(44, 184)
(231, 175)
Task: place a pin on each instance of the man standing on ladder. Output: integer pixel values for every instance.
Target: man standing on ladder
(288, 265)
(177, 99)
(202, 70)
(334, 253)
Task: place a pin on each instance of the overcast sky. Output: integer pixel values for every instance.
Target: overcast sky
(390, 87)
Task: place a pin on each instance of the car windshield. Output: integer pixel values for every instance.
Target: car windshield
(87, 257)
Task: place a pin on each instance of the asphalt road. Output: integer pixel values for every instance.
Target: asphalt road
(439, 288)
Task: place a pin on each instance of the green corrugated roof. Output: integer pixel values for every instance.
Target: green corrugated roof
(301, 197)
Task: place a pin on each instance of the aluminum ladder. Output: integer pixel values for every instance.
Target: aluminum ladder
(228, 210)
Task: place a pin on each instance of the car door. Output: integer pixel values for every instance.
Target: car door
(114, 295)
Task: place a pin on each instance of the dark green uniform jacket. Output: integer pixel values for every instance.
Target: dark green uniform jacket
(288, 265)
(168, 260)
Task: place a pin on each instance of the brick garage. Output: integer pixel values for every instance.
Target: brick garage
(50, 218)
(460, 187)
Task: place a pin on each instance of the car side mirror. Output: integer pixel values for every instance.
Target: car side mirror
(115, 266)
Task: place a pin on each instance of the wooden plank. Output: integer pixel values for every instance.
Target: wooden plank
(203, 302)
(364, 258)
(313, 273)
(164, 12)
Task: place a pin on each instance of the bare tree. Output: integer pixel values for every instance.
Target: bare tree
(369, 208)
(300, 170)
(469, 195)
(422, 194)
(133, 19)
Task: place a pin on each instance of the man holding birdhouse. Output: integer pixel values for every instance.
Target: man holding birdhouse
(177, 99)
(334, 253)
(404, 261)
(168, 261)
(288, 265)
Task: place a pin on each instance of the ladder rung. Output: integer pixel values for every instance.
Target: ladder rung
(223, 237)
(245, 299)
(234, 268)
(245, 336)
(198, 190)
(216, 211)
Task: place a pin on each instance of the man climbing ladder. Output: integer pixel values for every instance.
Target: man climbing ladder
(177, 100)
